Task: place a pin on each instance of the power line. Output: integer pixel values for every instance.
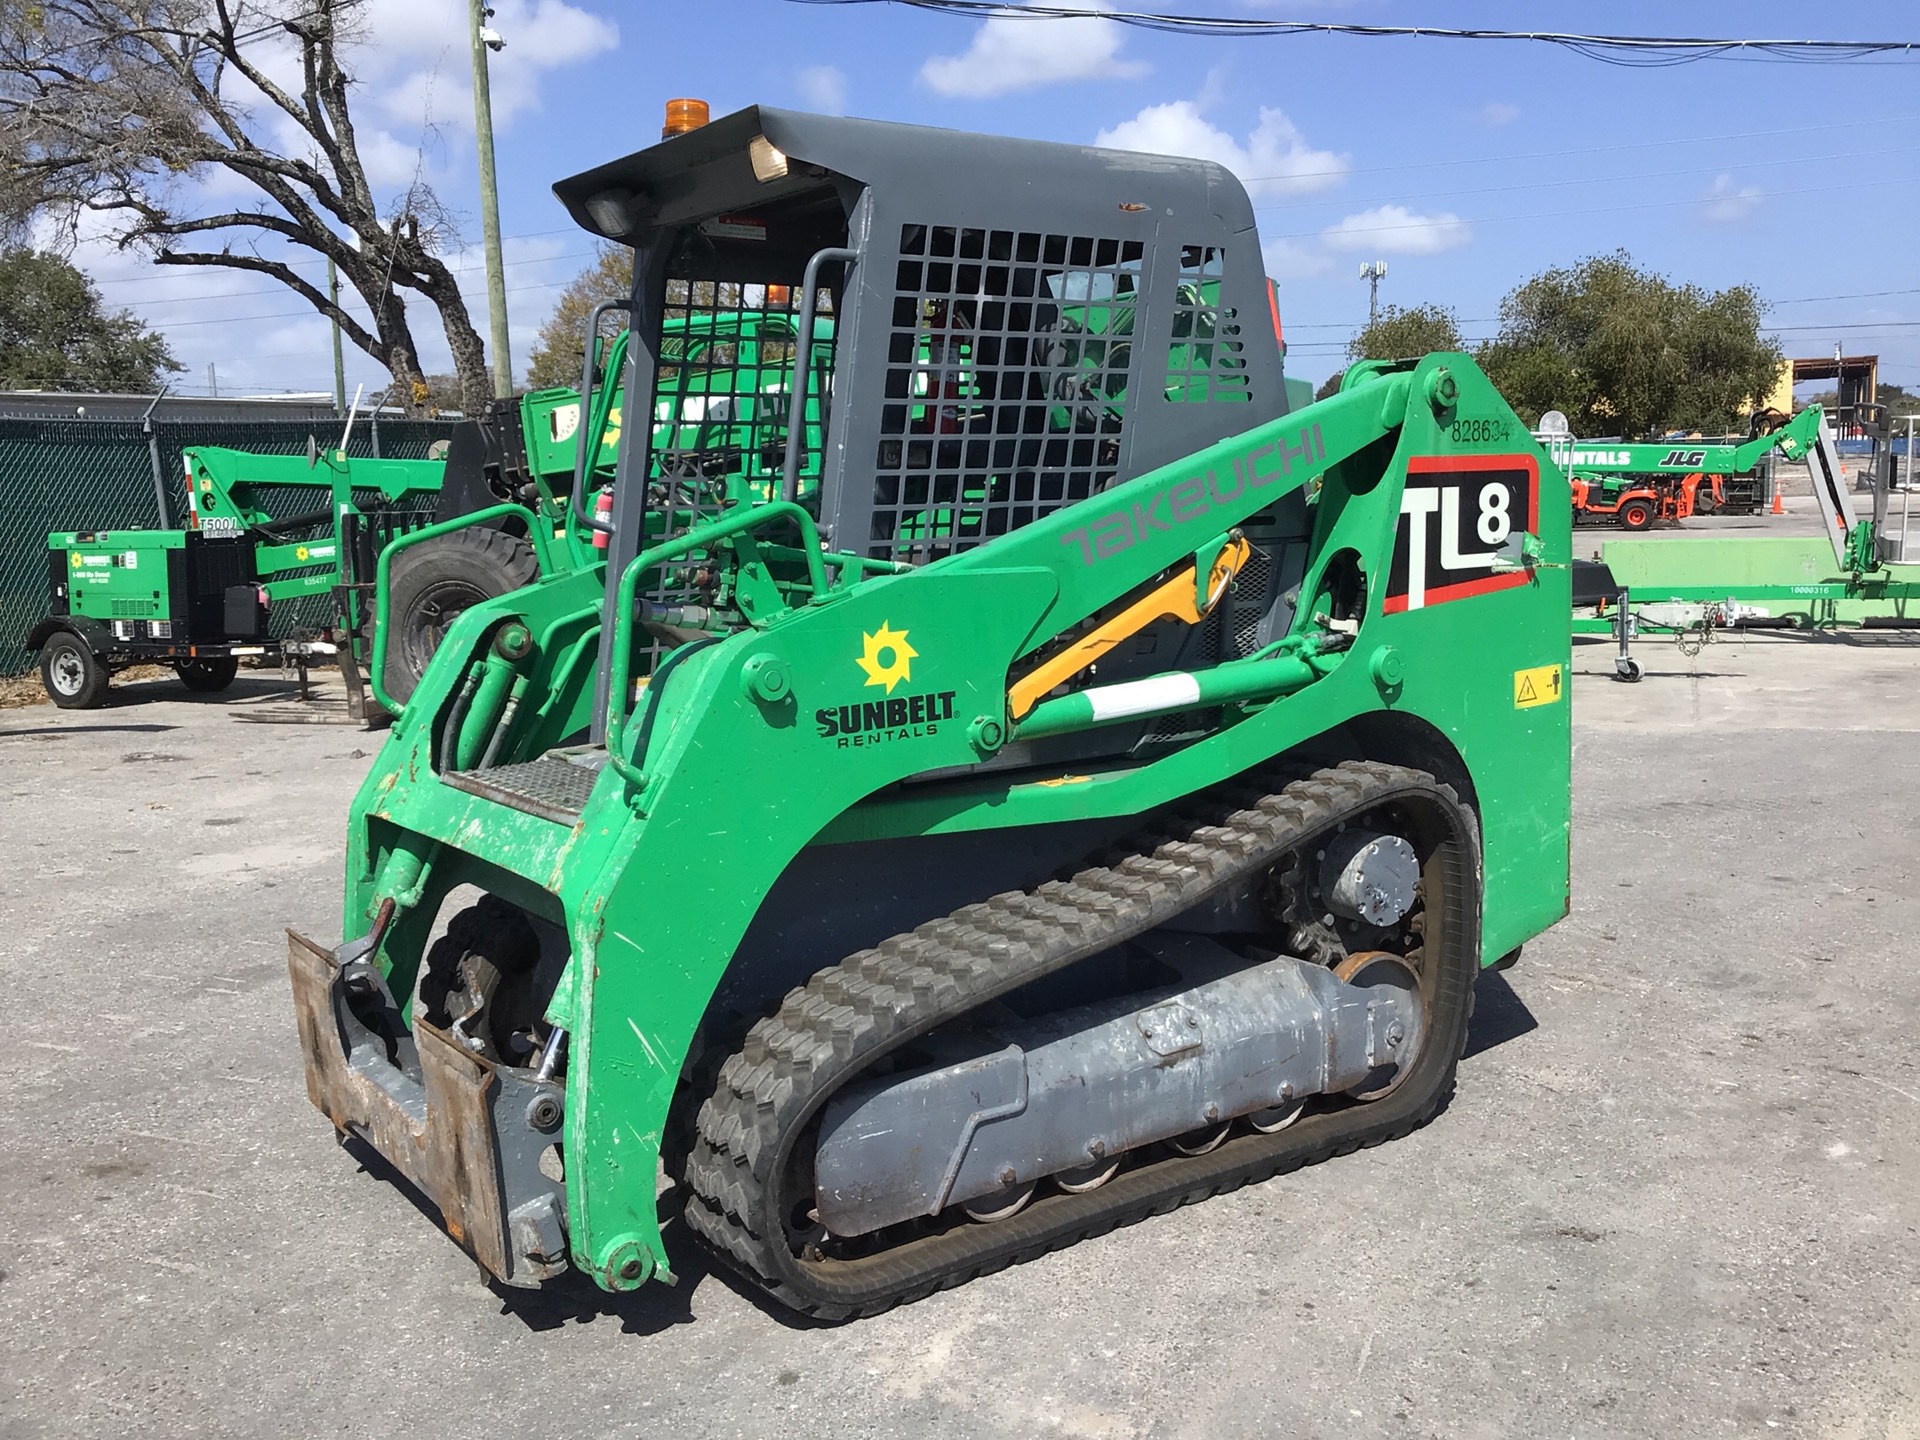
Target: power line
(1638, 51)
(295, 314)
(1425, 165)
(1539, 214)
(1575, 180)
(282, 289)
(319, 260)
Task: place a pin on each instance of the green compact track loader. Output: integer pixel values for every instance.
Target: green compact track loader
(1082, 784)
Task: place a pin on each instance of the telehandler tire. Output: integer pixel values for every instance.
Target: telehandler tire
(433, 584)
(207, 675)
(75, 678)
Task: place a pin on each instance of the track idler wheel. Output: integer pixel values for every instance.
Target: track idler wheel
(1379, 967)
(1003, 1205)
(1090, 1176)
(1276, 1118)
(1204, 1141)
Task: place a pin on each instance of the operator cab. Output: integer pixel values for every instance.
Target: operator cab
(992, 329)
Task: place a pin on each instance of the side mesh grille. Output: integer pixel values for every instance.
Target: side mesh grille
(1006, 387)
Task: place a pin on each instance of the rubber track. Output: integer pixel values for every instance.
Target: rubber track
(848, 1015)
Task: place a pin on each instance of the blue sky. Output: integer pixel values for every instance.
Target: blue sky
(1466, 166)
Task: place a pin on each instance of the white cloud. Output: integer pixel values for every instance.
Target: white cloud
(415, 47)
(824, 88)
(1496, 113)
(1011, 52)
(1275, 160)
(1728, 202)
(1287, 260)
(1396, 230)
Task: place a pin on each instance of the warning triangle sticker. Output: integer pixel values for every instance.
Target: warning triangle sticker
(1526, 690)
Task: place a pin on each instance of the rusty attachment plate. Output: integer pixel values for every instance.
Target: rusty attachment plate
(436, 1129)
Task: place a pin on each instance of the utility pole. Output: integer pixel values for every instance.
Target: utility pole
(483, 38)
(1373, 274)
(339, 361)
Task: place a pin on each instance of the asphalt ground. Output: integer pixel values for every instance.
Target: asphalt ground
(1674, 1196)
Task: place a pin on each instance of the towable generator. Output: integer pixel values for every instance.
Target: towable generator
(1096, 787)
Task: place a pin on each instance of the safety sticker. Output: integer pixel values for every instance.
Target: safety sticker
(1538, 686)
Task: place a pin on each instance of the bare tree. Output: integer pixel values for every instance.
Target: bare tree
(115, 108)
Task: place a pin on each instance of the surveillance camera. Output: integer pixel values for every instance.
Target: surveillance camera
(492, 38)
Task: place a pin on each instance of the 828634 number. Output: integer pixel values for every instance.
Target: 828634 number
(1479, 432)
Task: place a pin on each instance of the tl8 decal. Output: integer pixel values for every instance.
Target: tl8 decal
(1458, 516)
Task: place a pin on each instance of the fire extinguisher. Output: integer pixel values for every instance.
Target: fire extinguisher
(944, 360)
(603, 513)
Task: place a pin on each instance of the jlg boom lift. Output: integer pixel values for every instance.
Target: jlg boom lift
(1099, 788)
(1635, 484)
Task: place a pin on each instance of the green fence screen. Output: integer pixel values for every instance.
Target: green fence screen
(60, 475)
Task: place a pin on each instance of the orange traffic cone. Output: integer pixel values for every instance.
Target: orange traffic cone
(1778, 508)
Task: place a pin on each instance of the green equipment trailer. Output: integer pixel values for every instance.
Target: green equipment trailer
(292, 527)
(1693, 587)
(1097, 789)
(130, 597)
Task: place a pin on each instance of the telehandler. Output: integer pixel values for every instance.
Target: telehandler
(1099, 788)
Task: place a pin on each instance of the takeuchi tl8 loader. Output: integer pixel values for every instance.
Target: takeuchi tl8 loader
(1084, 787)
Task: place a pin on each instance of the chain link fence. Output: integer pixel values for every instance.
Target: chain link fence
(58, 475)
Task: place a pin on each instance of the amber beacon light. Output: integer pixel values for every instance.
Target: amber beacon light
(682, 116)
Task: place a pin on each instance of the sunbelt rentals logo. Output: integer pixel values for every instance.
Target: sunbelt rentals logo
(886, 660)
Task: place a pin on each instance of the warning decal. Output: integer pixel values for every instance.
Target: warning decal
(1538, 686)
(1459, 515)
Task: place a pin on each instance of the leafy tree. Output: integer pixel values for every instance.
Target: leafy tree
(55, 335)
(559, 352)
(1399, 334)
(444, 394)
(1623, 351)
(107, 106)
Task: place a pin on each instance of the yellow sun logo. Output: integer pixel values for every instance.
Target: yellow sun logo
(611, 439)
(302, 553)
(890, 643)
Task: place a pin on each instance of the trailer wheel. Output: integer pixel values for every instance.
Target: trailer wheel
(206, 674)
(1637, 515)
(75, 678)
(434, 583)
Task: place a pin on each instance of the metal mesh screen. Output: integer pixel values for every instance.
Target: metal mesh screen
(722, 399)
(98, 475)
(723, 404)
(1006, 385)
(1245, 607)
(1206, 360)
